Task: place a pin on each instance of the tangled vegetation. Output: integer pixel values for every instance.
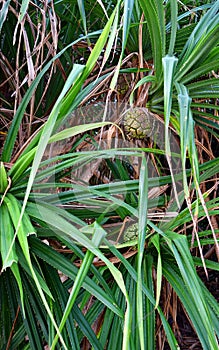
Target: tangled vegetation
(109, 174)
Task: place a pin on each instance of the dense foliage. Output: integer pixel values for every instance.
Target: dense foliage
(108, 225)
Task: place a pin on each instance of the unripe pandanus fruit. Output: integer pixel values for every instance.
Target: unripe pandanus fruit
(131, 233)
(139, 122)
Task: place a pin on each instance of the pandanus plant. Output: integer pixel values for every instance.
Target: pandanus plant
(63, 282)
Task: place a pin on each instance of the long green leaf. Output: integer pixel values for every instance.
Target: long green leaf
(83, 14)
(22, 231)
(12, 134)
(169, 66)
(59, 262)
(127, 15)
(23, 10)
(174, 23)
(72, 233)
(154, 16)
(183, 258)
(148, 293)
(8, 253)
(142, 226)
(150, 319)
(203, 38)
(4, 12)
(66, 107)
(98, 234)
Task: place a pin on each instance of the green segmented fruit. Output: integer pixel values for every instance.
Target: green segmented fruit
(3, 178)
(131, 233)
(139, 123)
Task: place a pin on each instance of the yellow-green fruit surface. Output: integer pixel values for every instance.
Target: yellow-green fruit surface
(139, 122)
